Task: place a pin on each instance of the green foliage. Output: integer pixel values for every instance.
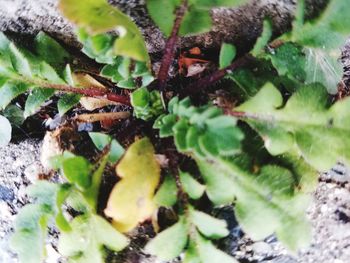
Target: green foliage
(97, 16)
(32, 221)
(227, 54)
(83, 238)
(167, 194)
(196, 20)
(265, 164)
(85, 243)
(194, 228)
(203, 130)
(147, 104)
(121, 70)
(22, 71)
(101, 141)
(264, 39)
(296, 129)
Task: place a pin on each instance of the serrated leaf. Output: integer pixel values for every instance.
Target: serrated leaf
(50, 51)
(194, 189)
(169, 243)
(219, 186)
(227, 54)
(88, 236)
(66, 102)
(19, 61)
(289, 60)
(131, 200)
(14, 114)
(97, 16)
(5, 131)
(306, 122)
(10, 91)
(35, 99)
(167, 194)
(258, 203)
(209, 226)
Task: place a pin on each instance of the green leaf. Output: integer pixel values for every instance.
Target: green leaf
(208, 253)
(116, 152)
(31, 223)
(147, 104)
(209, 226)
(194, 189)
(100, 140)
(14, 114)
(50, 51)
(36, 98)
(97, 16)
(289, 60)
(5, 131)
(19, 61)
(77, 170)
(66, 102)
(295, 126)
(264, 39)
(195, 21)
(30, 229)
(227, 54)
(10, 91)
(219, 186)
(88, 236)
(262, 203)
(167, 194)
(163, 13)
(169, 244)
(329, 30)
(203, 130)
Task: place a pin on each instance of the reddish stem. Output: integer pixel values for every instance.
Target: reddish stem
(217, 75)
(169, 52)
(93, 92)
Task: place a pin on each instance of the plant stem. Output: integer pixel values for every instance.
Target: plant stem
(169, 52)
(105, 116)
(217, 75)
(93, 92)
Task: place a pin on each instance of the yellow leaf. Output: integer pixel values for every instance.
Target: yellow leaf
(131, 201)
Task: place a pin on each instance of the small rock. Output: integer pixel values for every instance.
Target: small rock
(6, 194)
(261, 248)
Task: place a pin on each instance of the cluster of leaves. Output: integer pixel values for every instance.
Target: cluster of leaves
(261, 154)
(83, 237)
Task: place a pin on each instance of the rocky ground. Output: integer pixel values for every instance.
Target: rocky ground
(329, 214)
